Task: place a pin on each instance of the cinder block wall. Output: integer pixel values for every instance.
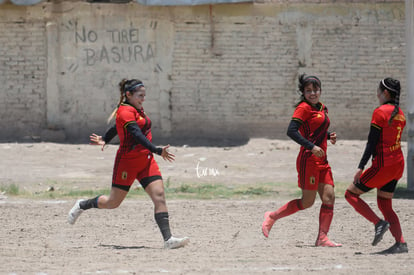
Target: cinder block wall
(212, 72)
(23, 72)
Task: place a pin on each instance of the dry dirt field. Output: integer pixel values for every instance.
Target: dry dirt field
(225, 233)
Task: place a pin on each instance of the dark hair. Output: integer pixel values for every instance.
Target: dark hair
(304, 80)
(129, 85)
(393, 87)
(126, 86)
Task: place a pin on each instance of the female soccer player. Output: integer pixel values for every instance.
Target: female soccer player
(384, 145)
(309, 127)
(134, 160)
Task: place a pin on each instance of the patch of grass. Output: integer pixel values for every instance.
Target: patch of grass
(195, 191)
(84, 193)
(212, 191)
(134, 192)
(10, 189)
(340, 188)
(173, 191)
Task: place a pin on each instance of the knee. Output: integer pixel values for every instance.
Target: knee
(349, 194)
(307, 203)
(329, 198)
(159, 195)
(351, 197)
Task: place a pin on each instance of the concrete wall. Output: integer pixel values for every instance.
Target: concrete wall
(212, 72)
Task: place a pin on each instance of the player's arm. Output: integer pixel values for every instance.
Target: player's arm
(133, 128)
(332, 137)
(99, 140)
(373, 138)
(293, 133)
(110, 134)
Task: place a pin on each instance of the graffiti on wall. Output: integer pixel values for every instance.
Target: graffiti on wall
(113, 46)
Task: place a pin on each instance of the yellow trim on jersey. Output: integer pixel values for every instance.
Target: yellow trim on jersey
(376, 126)
(129, 122)
(297, 119)
(322, 106)
(399, 117)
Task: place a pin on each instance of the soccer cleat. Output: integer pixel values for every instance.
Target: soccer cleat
(75, 212)
(325, 242)
(267, 224)
(173, 242)
(380, 228)
(395, 249)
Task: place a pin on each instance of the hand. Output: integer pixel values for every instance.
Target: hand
(357, 176)
(97, 140)
(317, 151)
(332, 137)
(167, 155)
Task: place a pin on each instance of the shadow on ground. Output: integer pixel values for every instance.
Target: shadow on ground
(120, 247)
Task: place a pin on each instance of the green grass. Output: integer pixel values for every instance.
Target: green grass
(173, 191)
(203, 191)
(212, 191)
(10, 189)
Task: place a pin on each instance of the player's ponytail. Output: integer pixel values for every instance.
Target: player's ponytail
(305, 80)
(121, 98)
(394, 88)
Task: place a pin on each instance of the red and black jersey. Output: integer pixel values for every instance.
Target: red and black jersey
(125, 115)
(388, 150)
(314, 124)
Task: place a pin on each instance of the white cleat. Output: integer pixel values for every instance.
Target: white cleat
(75, 212)
(173, 242)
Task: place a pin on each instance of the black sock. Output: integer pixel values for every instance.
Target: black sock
(164, 224)
(91, 203)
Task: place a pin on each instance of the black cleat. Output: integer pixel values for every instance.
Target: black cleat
(395, 249)
(380, 228)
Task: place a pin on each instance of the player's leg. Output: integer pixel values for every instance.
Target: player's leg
(124, 174)
(367, 181)
(104, 202)
(384, 199)
(293, 206)
(307, 179)
(327, 195)
(151, 180)
(156, 192)
(112, 201)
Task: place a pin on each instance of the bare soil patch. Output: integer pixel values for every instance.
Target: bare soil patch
(225, 234)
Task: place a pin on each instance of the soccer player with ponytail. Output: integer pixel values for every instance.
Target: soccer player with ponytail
(384, 145)
(134, 160)
(309, 128)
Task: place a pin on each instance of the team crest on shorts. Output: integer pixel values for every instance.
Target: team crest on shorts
(124, 175)
(312, 180)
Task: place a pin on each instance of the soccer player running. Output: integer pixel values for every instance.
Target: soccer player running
(134, 160)
(384, 145)
(309, 127)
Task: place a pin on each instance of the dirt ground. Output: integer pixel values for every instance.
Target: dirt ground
(225, 234)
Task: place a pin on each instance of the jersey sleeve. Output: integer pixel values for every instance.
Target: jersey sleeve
(378, 119)
(293, 133)
(110, 134)
(301, 113)
(139, 137)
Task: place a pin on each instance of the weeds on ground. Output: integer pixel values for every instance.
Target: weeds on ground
(204, 191)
